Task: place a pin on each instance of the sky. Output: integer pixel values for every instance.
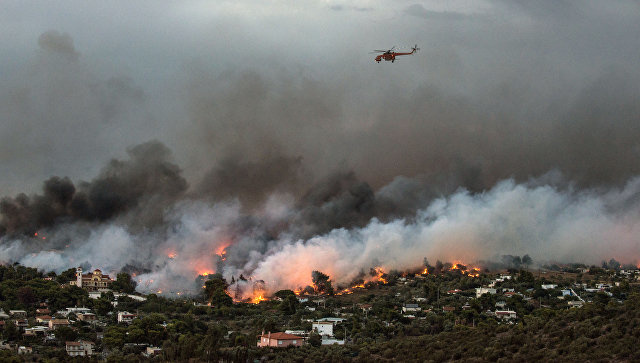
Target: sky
(277, 110)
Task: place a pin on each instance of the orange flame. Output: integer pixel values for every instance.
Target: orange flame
(379, 273)
(221, 250)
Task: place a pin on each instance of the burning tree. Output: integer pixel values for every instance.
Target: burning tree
(321, 283)
(215, 291)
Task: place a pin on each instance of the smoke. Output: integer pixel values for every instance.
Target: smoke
(147, 181)
(333, 228)
(514, 131)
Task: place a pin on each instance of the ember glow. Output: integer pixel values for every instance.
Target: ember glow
(257, 299)
(379, 275)
(221, 250)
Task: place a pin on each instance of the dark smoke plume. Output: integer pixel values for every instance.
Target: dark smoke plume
(146, 180)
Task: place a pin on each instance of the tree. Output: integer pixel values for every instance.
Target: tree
(26, 296)
(124, 283)
(289, 305)
(10, 331)
(526, 260)
(65, 333)
(283, 294)
(315, 339)
(215, 290)
(517, 261)
(66, 276)
(321, 282)
(439, 266)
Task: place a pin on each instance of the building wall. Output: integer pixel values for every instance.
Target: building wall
(267, 342)
(323, 328)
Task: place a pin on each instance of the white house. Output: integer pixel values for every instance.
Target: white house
(549, 286)
(410, 308)
(81, 348)
(324, 328)
(484, 290)
(506, 314)
(125, 317)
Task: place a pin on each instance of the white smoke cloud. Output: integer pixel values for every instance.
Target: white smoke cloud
(542, 221)
(546, 222)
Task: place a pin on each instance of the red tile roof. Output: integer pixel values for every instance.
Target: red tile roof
(282, 336)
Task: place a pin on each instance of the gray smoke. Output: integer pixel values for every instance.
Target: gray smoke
(291, 147)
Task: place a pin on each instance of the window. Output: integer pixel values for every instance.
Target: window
(279, 342)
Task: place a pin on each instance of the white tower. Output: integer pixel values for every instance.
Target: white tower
(79, 276)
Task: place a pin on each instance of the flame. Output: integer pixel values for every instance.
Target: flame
(159, 292)
(466, 269)
(172, 255)
(222, 249)
(425, 271)
(204, 273)
(257, 299)
(379, 273)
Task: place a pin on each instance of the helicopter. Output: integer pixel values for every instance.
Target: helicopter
(390, 55)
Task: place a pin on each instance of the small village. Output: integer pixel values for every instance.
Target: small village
(90, 316)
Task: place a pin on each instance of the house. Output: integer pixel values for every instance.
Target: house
(448, 309)
(125, 317)
(410, 308)
(22, 323)
(94, 281)
(43, 319)
(501, 304)
(81, 348)
(74, 310)
(35, 331)
(548, 286)
(56, 323)
(484, 290)
(3, 315)
(333, 320)
(300, 333)
(566, 292)
(43, 311)
(366, 307)
(24, 350)
(18, 313)
(324, 328)
(152, 351)
(575, 304)
(279, 340)
(87, 317)
(505, 314)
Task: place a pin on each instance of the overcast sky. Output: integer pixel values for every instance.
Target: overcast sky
(502, 88)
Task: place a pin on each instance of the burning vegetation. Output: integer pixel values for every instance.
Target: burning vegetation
(250, 290)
